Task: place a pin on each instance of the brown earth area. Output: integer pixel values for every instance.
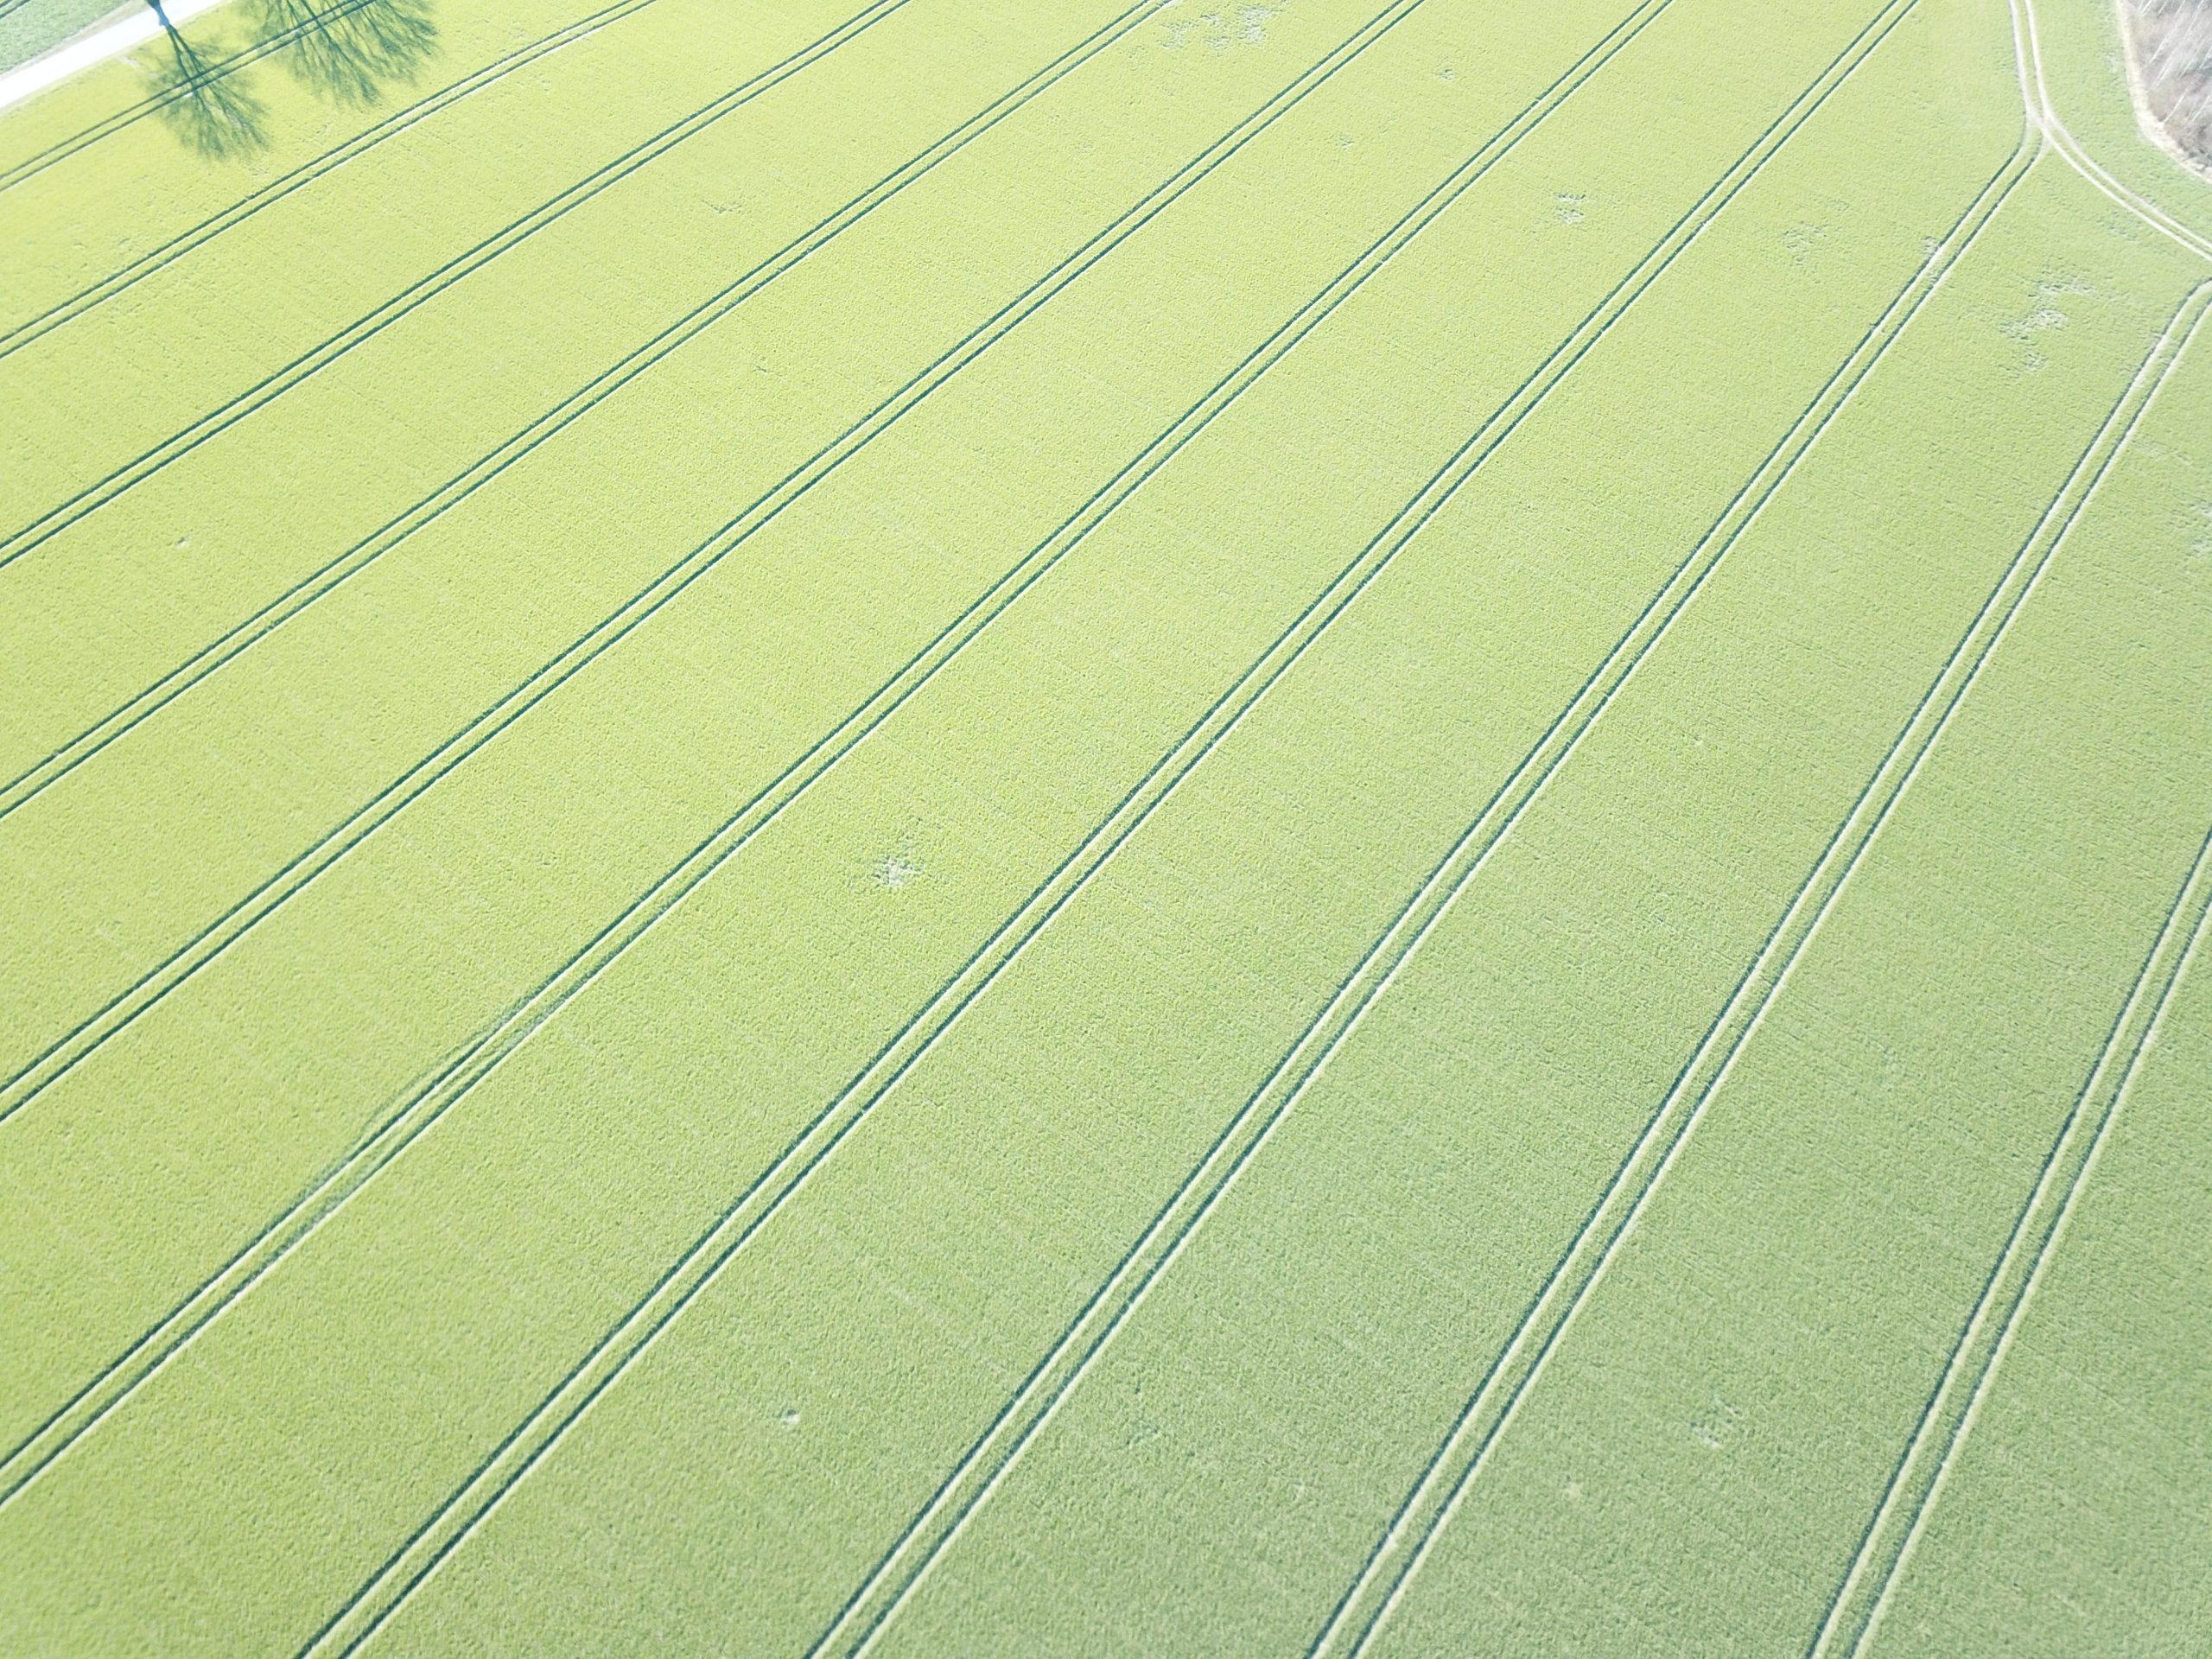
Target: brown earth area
(2169, 47)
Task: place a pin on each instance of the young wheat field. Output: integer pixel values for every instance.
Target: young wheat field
(1055, 827)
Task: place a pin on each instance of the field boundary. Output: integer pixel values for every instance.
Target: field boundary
(63, 148)
(91, 45)
(127, 277)
(911, 1541)
(485, 251)
(476, 1058)
(1917, 1481)
(1399, 1556)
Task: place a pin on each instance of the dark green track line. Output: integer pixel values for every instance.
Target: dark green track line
(1909, 1489)
(1062, 1368)
(1487, 1414)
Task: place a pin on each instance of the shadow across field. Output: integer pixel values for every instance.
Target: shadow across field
(349, 52)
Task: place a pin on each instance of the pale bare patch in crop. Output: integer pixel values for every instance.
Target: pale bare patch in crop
(1221, 27)
(895, 869)
(1566, 207)
(1714, 1424)
(2044, 313)
(1800, 239)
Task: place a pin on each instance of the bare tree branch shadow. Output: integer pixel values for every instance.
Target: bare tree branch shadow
(210, 106)
(349, 51)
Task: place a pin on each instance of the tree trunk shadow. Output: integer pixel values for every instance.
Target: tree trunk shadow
(209, 104)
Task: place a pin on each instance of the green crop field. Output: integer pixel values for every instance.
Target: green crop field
(1058, 827)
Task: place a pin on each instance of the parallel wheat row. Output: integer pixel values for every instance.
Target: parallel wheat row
(1399, 1554)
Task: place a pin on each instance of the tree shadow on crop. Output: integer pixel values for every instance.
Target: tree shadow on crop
(207, 102)
(349, 51)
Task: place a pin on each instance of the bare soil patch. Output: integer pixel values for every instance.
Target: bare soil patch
(2168, 49)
